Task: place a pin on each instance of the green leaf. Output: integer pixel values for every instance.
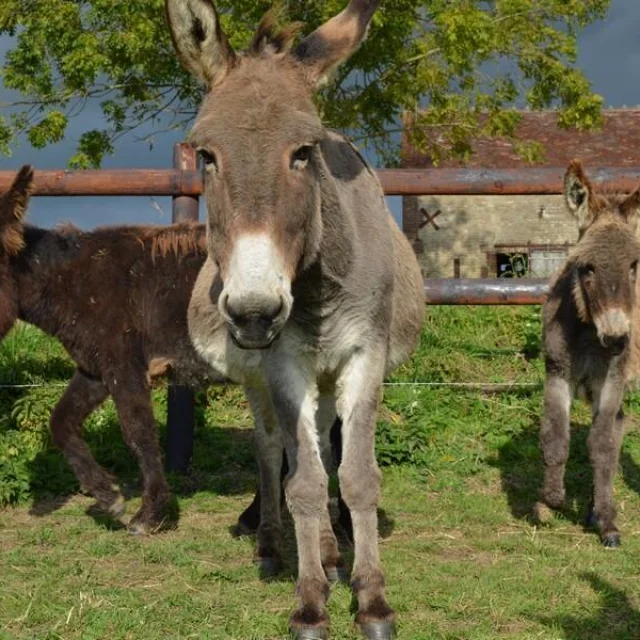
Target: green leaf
(468, 62)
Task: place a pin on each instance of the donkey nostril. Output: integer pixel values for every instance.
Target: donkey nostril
(259, 313)
(620, 343)
(236, 315)
(617, 344)
(278, 309)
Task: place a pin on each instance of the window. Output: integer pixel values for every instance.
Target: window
(531, 261)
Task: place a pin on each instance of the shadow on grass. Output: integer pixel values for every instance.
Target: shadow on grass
(630, 471)
(223, 464)
(341, 527)
(521, 470)
(614, 619)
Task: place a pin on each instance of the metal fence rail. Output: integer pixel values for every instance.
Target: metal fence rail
(485, 291)
(185, 184)
(187, 181)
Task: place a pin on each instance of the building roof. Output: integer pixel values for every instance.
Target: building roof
(617, 143)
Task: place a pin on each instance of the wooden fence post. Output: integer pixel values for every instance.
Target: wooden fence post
(180, 402)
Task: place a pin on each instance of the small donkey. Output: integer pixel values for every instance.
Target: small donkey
(117, 299)
(591, 339)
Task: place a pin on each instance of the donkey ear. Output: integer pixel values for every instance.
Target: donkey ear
(578, 193)
(199, 40)
(630, 209)
(333, 42)
(13, 206)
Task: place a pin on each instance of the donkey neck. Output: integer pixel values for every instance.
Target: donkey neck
(41, 270)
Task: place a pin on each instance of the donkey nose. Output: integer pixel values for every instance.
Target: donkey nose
(616, 344)
(246, 309)
(253, 320)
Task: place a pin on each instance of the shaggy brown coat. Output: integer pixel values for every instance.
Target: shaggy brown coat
(591, 324)
(117, 299)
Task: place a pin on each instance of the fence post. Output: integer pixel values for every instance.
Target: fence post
(180, 401)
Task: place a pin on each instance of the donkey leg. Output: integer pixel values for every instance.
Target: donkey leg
(554, 439)
(294, 394)
(604, 442)
(268, 441)
(249, 519)
(331, 557)
(344, 517)
(360, 389)
(132, 398)
(83, 396)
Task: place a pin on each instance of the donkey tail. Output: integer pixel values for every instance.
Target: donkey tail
(13, 206)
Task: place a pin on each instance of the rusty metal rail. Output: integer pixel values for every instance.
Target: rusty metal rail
(185, 183)
(449, 291)
(396, 182)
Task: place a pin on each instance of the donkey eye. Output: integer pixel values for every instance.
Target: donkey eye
(587, 270)
(208, 158)
(300, 157)
(634, 268)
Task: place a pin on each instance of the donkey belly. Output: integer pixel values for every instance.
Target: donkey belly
(408, 300)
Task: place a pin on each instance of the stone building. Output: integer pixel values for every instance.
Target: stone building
(490, 236)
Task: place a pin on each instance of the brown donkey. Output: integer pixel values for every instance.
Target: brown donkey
(122, 321)
(318, 288)
(117, 299)
(591, 325)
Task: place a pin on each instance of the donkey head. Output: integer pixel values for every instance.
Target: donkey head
(605, 260)
(13, 205)
(258, 133)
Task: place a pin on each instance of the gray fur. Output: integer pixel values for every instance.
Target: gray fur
(590, 324)
(338, 305)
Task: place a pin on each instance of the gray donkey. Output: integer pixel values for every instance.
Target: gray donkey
(311, 292)
(592, 342)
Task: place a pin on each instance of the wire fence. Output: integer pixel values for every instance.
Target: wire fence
(479, 386)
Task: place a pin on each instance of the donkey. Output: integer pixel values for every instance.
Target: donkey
(591, 330)
(117, 299)
(123, 321)
(318, 288)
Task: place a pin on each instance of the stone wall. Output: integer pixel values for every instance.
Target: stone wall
(473, 229)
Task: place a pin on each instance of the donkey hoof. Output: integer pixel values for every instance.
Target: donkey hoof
(116, 508)
(138, 528)
(143, 524)
(268, 566)
(378, 630)
(611, 540)
(336, 574)
(591, 522)
(310, 633)
(243, 529)
(542, 513)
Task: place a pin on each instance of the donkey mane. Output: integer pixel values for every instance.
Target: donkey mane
(607, 199)
(271, 37)
(161, 241)
(180, 241)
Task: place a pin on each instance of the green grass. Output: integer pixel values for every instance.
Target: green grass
(461, 473)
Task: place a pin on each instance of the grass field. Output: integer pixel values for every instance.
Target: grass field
(461, 473)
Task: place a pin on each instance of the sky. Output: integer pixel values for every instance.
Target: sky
(609, 56)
